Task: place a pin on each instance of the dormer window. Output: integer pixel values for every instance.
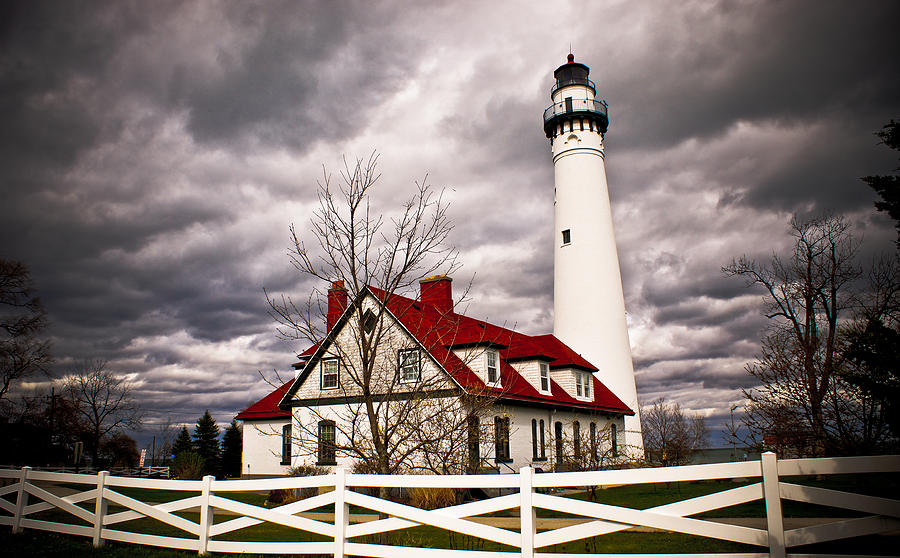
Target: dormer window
(492, 362)
(545, 377)
(583, 382)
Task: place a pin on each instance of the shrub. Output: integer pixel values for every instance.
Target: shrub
(188, 465)
(307, 471)
(427, 498)
(281, 496)
(286, 496)
(363, 467)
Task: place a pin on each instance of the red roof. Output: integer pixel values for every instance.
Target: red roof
(441, 332)
(267, 407)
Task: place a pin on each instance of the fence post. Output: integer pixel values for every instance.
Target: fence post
(100, 504)
(527, 521)
(21, 501)
(206, 515)
(341, 512)
(772, 496)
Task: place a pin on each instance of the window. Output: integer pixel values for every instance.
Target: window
(559, 442)
(583, 384)
(369, 321)
(545, 377)
(493, 370)
(567, 236)
(326, 443)
(594, 442)
(501, 439)
(543, 445)
(537, 433)
(576, 440)
(410, 370)
(286, 444)
(614, 440)
(329, 369)
(474, 444)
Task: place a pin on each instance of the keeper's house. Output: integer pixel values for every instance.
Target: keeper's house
(545, 407)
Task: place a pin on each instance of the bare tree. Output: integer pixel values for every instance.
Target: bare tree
(597, 446)
(103, 401)
(394, 412)
(22, 351)
(802, 404)
(164, 435)
(670, 435)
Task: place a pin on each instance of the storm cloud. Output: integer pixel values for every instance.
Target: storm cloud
(154, 154)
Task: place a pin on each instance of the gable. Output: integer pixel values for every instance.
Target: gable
(341, 351)
(440, 335)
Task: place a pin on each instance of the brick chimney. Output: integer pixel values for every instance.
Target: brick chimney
(337, 303)
(437, 292)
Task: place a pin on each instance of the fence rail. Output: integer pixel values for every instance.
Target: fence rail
(89, 510)
(149, 471)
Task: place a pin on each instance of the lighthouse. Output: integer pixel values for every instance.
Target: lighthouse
(588, 302)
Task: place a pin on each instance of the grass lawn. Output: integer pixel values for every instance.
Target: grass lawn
(645, 496)
(37, 543)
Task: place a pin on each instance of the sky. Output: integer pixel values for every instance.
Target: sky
(155, 154)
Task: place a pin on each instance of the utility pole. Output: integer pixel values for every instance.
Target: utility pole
(733, 434)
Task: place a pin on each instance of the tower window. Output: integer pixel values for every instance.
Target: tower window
(567, 236)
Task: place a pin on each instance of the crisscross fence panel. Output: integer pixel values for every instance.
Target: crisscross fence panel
(209, 516)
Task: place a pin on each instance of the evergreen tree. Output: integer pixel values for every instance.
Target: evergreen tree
(232, 447)
(888, 186)
(182, 442)
(206, 443)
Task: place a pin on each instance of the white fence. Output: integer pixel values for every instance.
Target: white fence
(33, 493)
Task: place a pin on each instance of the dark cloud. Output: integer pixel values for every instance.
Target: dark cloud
(294, 83)
(704, 69)
(154, 155)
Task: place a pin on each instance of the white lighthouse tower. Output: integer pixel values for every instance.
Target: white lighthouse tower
(588, 303)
